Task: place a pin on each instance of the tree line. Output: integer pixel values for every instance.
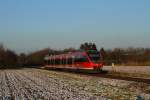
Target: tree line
(7, 57)
(127, 56)
(120, 56)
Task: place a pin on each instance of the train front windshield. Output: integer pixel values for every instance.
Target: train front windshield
(94, 55)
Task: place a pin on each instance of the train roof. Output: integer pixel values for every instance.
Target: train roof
(66, 55)
(69, 54)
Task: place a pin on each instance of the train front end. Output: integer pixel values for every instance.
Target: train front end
(95, 59)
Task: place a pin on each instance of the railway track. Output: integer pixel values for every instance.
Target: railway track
(136, 79)
(104, 74)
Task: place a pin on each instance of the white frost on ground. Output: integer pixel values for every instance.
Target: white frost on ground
(33, 84)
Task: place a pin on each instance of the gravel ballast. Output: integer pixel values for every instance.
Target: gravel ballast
(33, 84)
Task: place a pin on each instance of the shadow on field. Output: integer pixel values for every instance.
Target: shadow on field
(79, 71)
(16, 67)
(11, 68)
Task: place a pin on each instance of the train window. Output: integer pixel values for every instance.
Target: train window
(81, 58)
(52, 61)
(56, 61)
(63, 61)
(47, 61)
(70, 61)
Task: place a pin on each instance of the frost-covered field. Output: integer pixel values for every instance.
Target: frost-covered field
(33, 84)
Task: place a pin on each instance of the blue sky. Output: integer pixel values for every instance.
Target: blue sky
(28, 25)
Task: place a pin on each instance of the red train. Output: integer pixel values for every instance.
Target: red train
(89, 59)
